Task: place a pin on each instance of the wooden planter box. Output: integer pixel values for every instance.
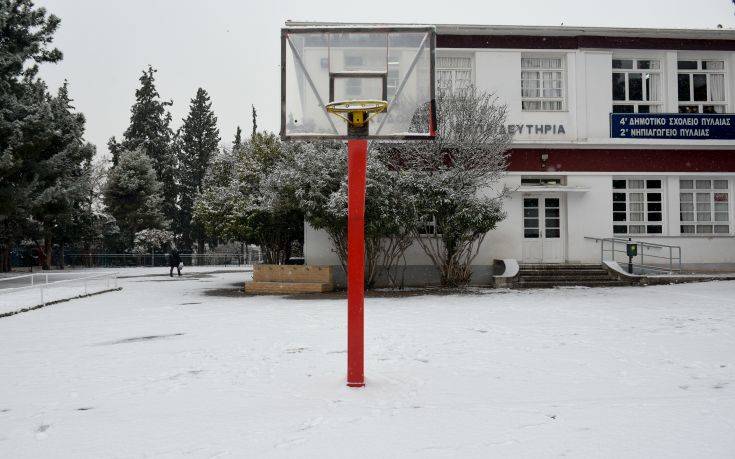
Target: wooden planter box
(280, 279)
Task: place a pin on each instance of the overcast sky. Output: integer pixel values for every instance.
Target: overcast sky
(231, 47)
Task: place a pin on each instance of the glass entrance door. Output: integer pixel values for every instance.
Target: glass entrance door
(542, 229)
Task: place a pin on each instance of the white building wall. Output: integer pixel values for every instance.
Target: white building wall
(586, 121)
(589, 215)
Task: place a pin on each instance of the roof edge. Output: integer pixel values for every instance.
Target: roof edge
(542, 30)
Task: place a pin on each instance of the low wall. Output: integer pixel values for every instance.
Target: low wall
(418, 276)
(293, 273)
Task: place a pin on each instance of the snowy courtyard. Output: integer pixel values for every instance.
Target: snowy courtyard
(191, 366)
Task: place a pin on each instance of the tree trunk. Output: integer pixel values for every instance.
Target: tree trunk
(200, 251)
(5, 258)
(61, 256)
(47, 253)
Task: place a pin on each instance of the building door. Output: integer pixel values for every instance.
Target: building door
(543, 228)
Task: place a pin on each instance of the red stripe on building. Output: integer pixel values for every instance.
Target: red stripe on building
(620, 160)
(576, 42)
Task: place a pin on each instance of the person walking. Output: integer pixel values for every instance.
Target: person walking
(174, 261)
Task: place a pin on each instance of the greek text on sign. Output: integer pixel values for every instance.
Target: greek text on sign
(704, 126)
(533, 129)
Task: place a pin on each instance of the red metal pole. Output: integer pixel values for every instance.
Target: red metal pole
(356, 170)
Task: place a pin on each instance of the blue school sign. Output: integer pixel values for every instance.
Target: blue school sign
(672, 126)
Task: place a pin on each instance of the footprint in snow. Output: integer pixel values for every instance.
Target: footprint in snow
(296, 350)
(41, 431)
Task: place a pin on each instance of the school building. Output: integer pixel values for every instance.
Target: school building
(618, 133)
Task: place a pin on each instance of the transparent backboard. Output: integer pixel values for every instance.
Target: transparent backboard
(320, 65)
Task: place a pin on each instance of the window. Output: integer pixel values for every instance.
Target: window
(637, 206)
(353, 86)
(453, 73)
(542, 181)
(542, 83)
(636, 86)
(704, 206)
(393, 73)
(701, 86)
(530, 218)
(427, 226)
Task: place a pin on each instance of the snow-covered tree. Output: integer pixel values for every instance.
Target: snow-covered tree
(199, 142)
(448, 179)
(26, 34)
(61, 176)
(243, 204)
(314, 177)
(152, 240)
(133, 197)
(237, 143)
(214, 206)
(150, 131)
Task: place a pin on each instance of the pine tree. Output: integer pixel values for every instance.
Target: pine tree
(199, 142)
(150, 131)
(61, 175)
(238, 139)
(132, 195)
(255, 120)
(26, 34)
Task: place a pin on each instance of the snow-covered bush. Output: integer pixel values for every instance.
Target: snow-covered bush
(152, 239)
(314, 178)
(444, 179)
(240, 202)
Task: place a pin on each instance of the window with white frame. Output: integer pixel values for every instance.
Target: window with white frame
(636, 86)
(701, 86)
(427, 226)
(637, 206)
(393, 73)
(453, 72)
(704, 206)
(542, 83)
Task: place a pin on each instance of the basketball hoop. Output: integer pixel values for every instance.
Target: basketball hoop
(357, 113)
(356, 73)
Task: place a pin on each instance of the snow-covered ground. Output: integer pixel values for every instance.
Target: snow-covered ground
(174, 367)
(20, 291)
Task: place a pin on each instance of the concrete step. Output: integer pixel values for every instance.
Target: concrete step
(542, 275)
(560, 265)
(571, 283)
(560, 272)
(571, 269)
(288, 287)
(562, 277)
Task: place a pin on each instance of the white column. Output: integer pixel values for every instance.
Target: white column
(670, 87)
(672, 206)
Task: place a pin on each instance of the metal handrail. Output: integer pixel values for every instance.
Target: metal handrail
(112, 275)
(42, 287)
(674, 256)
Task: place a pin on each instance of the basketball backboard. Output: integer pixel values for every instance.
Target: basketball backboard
(342, 64)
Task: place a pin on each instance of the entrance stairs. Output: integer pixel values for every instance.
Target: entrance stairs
(565, 275)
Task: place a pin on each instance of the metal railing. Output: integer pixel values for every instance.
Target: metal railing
(119, 260)
(648, 252)
(43, 282)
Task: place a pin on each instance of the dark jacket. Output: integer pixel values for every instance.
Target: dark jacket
(173, 258)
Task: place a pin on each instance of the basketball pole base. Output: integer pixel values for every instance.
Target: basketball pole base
(356, 172)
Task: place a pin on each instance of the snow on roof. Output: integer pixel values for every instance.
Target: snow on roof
(561, 31)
